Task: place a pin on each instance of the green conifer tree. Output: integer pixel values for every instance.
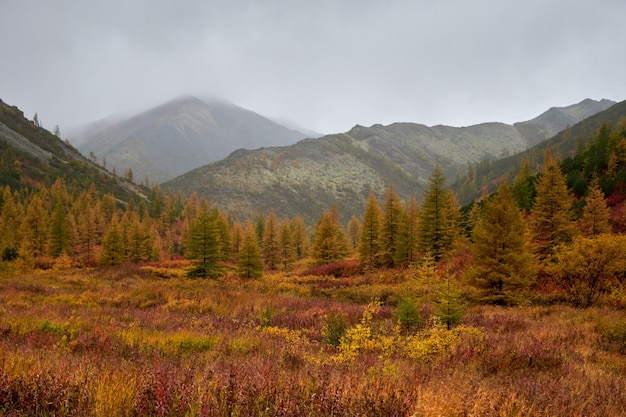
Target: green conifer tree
(249, 264)
(330, 243)
(551, 223)
(502, 265)
(203, 243)
(369, 244)
(113, 251)
(390, 229)
(271, 244)
(439, 217)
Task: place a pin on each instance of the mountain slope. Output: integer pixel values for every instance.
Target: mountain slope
(487, 175)
(310, 176)
(30, 155)
(180, 135)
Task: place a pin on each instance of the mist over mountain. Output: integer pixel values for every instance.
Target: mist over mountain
(310, 176)
(178, 136)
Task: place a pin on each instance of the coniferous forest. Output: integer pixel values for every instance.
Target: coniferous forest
(166, 305)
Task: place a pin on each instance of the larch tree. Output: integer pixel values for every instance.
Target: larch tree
(236, 238)
(249, 264)
(330, 243)
(502, 264)
(10, 221)
(390, 229)
(34, 230)
(438, 226)
(551, 223)
(354, 232)
(595, 219)
(203, 243)
(369, 243)
(408, 238)
(113, 251)
(286, 244)
(60, 233)
(523, 189)
(271, 245)
(300, 235)
(138, 240)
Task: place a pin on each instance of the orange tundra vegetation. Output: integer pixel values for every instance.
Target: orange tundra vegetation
(170, 307)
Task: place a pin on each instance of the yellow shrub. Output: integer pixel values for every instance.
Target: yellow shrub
(434, 342)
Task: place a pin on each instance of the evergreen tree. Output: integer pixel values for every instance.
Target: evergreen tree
(595, 220)
(329, 243)
(300, 237)
(113, 251)
(236, 240)
(502, 266)
(369, 244)
(10, 223)
(86, 234)
(34, 230)
(408, 238)
(354, 233)
(249, 264)
(203, 243)
(271, 245)
(551, 222)
(286, 244)
(60, 234)
(390, 227)
(439, 217)
(524, 187)
(138, 241)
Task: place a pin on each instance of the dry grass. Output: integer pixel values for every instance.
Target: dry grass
(122, 342)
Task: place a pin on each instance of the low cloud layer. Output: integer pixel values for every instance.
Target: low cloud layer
(326, 65)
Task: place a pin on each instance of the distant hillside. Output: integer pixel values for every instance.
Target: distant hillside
(31, 155)
(312, 175)
(487, 174)
(178, 136)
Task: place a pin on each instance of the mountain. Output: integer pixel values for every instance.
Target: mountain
(566, 143)
(551, 122)
(310, 176)
(178, 136)
(31, 155)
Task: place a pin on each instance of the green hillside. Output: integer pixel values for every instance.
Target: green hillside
(31, 155)
(486, 175)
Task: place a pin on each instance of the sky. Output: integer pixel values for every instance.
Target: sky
(325, 65)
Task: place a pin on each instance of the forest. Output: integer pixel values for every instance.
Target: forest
(512, 305)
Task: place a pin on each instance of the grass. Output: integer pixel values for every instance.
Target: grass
(126, 341)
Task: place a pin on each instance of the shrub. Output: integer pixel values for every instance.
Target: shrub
(334, 330)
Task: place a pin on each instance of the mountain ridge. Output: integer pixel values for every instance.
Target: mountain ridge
(313, 174)
(182, 134)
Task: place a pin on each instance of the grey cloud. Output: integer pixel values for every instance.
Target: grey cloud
(326, 64)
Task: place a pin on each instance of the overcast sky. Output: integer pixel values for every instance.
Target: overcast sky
(326, 65)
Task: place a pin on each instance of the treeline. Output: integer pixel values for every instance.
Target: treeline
(551, 227)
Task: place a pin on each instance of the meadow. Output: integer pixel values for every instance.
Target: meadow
(135, 341)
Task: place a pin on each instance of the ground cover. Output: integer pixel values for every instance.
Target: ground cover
(125, 341)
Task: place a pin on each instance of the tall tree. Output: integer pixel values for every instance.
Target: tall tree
(369, 245)
(390, 230)
(271, 245)
(354, 233)
(34, 229)
(329, 243)
(502, 265)
(595, 220)
(524, 187)
(439, 216)
(408, 238)
(60, 234)
(300, 237)
(249, 264)
(203, 243)
(286, 244)
(236, 240)
(551, 222)
(138, 240)
(10, 223)
(113, 251)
